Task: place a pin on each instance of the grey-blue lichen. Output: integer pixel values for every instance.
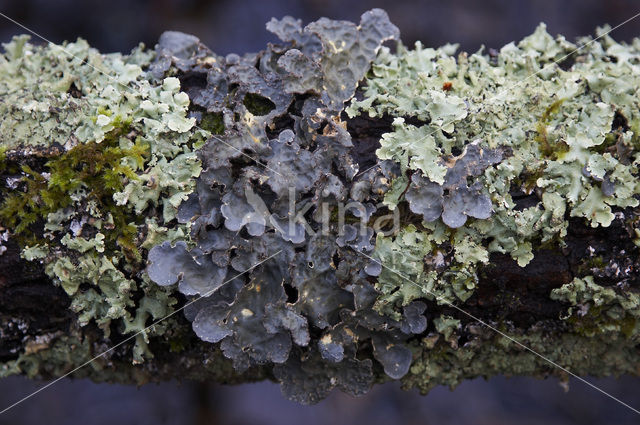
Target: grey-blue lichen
(258, 181)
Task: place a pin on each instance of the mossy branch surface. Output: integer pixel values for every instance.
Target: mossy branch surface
(133, 184)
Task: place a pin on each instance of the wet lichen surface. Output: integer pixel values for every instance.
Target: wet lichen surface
(319, 207)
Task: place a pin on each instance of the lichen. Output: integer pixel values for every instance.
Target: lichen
(118, 147)
(268, 226)
(56, 95)
(485, 353)
(549, 122)
(595, 309)
(286, 152)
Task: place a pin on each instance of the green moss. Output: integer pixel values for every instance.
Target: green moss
(20, 211)
(178, 344)
(212, 122)
(3, 158)
(258, 105)
(550, 149)
(628, 325)
(99, 170)
(121, 159)
(587, 265)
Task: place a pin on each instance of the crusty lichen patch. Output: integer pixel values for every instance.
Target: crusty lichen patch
(487, 353)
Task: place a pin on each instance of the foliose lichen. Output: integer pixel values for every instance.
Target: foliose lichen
(119, 157)
(244, 198)
(545, 141)
(259, 180)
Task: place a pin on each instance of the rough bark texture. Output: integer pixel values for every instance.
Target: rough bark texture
(31, 305)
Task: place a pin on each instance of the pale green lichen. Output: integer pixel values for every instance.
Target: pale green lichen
(596, 309)
(417, 266)
(555, 127)
(56, 94)
(51, 358)
(125, 146)
(446, 325)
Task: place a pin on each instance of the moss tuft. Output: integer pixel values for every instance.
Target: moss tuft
(99, 170)
(258, 105)
(212, 122)
(550, 149)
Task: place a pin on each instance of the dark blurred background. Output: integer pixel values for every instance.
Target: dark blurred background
(238, 26)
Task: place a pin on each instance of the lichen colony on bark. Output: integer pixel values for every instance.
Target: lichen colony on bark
(318, 207)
